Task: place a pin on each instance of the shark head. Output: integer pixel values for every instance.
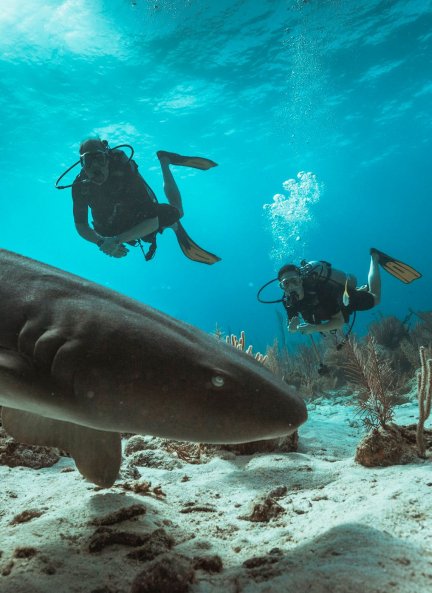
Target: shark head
(186, 385)
(80, 364)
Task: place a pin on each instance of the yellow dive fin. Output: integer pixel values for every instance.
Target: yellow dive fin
(192, 250)
(196, 162)
(396, 268)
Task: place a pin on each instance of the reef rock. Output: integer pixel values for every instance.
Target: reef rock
(14, 454)
(392, 445)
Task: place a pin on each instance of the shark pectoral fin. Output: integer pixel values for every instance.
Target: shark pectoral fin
(97, 453)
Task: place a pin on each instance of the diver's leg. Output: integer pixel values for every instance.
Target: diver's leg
(374, 279)
(171, 190)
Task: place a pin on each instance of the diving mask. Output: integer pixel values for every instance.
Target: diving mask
(95, 164)
(290, 283)
(95, 158)
(292, 286)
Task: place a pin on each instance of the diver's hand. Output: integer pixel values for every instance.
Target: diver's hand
(293, 324)
(307, 328)
(111, 246)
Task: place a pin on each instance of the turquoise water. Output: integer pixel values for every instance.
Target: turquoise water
(327, 103)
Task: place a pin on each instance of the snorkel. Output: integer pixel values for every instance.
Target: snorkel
(92, 157)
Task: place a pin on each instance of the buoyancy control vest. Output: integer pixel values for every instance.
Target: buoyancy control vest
(322, 271)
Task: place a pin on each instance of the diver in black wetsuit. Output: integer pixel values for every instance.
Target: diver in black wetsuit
(318, 298)
(124, 207)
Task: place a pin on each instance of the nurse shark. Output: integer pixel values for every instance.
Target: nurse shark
(80, 363)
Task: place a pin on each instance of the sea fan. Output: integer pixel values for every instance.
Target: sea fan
(369, 369)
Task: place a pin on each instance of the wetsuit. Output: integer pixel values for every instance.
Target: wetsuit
(121, 202)
(323, 300)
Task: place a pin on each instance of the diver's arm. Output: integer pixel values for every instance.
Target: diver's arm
(87, 233)
(80, 216)
(336, 322)
(146, 227)
(114, 245)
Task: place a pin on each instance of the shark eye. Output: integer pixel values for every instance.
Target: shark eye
(217, 381)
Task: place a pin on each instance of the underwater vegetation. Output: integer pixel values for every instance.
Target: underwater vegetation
(374, 372)
(391, 345)
(240, 344)
(377, 370)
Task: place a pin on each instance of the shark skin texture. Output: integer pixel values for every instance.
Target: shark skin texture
(80, 363)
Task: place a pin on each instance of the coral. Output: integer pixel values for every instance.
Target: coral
(191, 507)
(158, 458)
(424, 393)
(410, 352)
(263, 510)
(218, 332)
(240, 343)
(138, 443)
(123, 514)
(390, 444)
(385, 446)
(158, 543)
(372, 372)
(308, 363)
(211, 564)
(282, 444)
(144, 488)
(188, 452)
(105, 536)
(169, 573)
(25, 552)
(275, 359)
(26, 516)
(422, 331)
(389, 332)
(263, 561)
(15, 454)
(303, 367)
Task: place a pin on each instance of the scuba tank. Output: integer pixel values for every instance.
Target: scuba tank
(322, 271)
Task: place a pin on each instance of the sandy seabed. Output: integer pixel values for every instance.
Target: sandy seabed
(325, 523)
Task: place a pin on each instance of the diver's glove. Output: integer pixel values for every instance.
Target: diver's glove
(111, 246)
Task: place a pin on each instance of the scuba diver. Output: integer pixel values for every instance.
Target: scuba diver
(319, 298)
(124, 208)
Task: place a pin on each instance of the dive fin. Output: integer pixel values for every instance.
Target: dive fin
(396, 268)
(97, 453)
(191, 249)
(196, 162)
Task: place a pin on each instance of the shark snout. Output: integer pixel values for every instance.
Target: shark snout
(249, 412)
(284, 416)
